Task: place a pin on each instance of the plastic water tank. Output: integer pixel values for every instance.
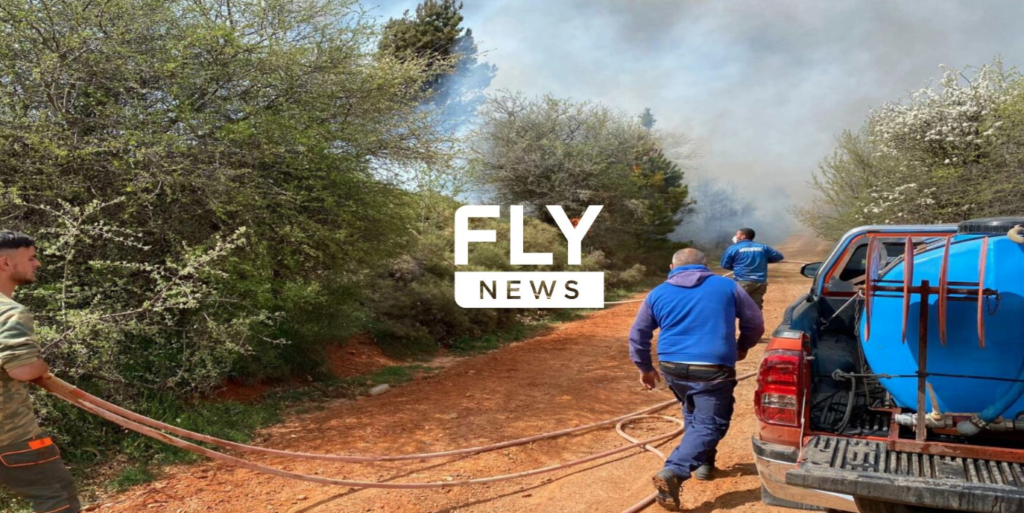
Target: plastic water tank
(1003, 356)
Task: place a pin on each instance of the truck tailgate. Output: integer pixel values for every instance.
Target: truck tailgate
(864, 468)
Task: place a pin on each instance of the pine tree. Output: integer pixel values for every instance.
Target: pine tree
(449, 51)
(647, 119)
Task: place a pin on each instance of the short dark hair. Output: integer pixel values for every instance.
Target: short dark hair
(748, 233)
(15, 240)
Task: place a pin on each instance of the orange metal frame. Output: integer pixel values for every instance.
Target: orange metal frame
(966, 291)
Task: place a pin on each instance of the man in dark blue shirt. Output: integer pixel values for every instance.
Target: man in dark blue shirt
(695, 311)
(748, 260)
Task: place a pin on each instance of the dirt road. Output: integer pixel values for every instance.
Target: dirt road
(575, 374)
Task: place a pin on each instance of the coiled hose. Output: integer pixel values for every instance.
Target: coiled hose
(149, 427)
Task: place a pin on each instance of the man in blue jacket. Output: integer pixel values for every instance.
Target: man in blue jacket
(748, 260)
(696, 312)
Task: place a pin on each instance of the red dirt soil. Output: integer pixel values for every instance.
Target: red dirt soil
(232, 390)
(357, 356)
(575, 374)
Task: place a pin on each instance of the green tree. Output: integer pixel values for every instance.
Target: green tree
(647, 119)
(145, 141)
(661, 189)
(551, 151)
(434, 35)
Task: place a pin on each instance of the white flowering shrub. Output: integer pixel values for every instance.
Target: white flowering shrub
(93, 314)
(901, 204)
(948, 126)
(942, 154)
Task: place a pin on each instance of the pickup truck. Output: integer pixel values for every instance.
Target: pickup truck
(826, 445)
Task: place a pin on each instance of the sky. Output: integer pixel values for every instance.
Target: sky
(761, 87)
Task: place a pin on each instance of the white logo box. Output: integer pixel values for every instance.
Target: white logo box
(529, 289)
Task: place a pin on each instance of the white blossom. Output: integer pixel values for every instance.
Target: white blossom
(953, 116)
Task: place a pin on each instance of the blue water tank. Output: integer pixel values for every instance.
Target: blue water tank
(1003, 356)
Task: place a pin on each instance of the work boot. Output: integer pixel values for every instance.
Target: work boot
(705, 472)
(668, 484)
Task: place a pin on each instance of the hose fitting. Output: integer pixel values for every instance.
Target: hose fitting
(971, 427)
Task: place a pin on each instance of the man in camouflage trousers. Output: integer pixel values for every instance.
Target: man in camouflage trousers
(30, 463)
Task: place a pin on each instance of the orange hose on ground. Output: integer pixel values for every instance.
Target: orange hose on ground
(238, 462)
(640, 506)
(61, 388)
(110, 412)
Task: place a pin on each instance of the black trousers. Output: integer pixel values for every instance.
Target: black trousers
(34, 471)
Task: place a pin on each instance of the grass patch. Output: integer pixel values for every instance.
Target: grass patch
(398, 374)
(620, 294)
(228, 420)
(237, 422)
(12, 504)
(468, 346)
(100, 450)
(131, 476)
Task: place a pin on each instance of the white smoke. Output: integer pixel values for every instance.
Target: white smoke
(762, 87)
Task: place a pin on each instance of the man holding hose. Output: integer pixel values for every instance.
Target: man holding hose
(748, 260)
(696, 313)
(30, 463)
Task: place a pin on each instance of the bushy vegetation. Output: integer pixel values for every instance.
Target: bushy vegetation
(221, 189)
(556, 151)
(202, 179)
(943, 154)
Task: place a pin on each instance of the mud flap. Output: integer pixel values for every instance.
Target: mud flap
(868, 469)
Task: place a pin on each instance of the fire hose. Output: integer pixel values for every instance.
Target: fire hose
(154, 429)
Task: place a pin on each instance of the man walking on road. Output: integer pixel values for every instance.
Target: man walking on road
(748, 260)
(30, 463)
(696, 312)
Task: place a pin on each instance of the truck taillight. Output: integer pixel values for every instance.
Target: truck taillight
(779, 391)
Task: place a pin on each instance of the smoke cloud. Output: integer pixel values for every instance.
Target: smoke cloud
(761, 87)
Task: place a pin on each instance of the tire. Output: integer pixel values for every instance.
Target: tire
(873, 506)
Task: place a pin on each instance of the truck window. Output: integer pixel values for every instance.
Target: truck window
(855, 266)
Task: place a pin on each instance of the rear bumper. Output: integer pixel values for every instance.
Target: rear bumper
(869, 470)
(773, 461)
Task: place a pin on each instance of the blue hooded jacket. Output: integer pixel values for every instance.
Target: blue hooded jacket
(696, 311)
(748, 260)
